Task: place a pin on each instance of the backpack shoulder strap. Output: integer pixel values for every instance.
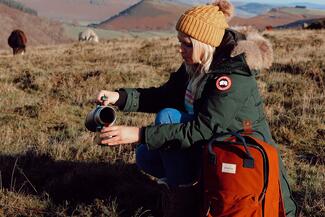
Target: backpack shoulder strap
(281, 203)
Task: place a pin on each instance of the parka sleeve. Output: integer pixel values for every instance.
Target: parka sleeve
(153, 99)
(215, 114)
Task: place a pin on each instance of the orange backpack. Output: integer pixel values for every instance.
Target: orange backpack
(241, 178)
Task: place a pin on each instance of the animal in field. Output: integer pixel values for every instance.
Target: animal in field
(88, 35)
(17, 41)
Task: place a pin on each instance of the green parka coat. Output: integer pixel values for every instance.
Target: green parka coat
(216, 110)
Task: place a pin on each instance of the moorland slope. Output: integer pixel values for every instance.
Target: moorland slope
(277, 17)
(146, 15)
(39, 31)
(78, 11)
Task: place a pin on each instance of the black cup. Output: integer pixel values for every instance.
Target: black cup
(99, 117)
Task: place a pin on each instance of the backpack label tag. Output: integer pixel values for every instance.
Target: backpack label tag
(228, 168)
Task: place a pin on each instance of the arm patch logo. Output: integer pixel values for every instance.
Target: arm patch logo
(223, 83)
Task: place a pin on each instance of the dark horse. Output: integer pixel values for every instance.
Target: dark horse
(17, 41)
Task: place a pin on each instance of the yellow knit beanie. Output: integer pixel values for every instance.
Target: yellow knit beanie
(205, 23)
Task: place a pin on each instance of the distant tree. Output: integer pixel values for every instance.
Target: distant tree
(18, 6)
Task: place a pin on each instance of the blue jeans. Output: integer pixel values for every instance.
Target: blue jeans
(181, 166)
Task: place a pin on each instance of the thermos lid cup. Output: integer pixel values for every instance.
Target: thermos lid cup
(99, 117)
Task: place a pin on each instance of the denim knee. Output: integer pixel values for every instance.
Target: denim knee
(149, 161)
(168, 116)
(139, 156)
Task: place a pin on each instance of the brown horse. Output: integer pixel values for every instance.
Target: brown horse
(17, 41)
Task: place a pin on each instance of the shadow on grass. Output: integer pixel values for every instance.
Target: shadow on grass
(309, 202)
(81, 182)
(308, 193)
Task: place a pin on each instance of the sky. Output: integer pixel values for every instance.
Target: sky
(285, 1)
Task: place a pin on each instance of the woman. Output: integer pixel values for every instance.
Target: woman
(211, 92)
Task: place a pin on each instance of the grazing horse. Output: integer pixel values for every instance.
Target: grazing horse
(88, 35)
(17, 41)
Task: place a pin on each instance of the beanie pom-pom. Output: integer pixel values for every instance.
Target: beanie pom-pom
(226, 7)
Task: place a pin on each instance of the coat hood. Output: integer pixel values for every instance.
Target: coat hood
(257, 49)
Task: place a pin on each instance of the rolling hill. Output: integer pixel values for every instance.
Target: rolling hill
(255, 8)
(39, 31)
(188, 2)
(146, 15)
(155, 15)
(159, 15)
(19, 6)
(303, 24)
(78, 11)
(309, 5)
(278, 16)
(149, 15)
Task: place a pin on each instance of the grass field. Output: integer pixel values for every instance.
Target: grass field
(50, 166)
(73, 31)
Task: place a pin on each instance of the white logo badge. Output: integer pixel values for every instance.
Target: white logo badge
(223, 83)
(228, 168)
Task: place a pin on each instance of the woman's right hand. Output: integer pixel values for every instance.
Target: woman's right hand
(105, 97)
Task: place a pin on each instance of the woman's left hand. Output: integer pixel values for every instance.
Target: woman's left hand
(116, 135)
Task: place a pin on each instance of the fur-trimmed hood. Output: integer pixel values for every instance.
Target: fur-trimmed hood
(243, 39)
(257, 49)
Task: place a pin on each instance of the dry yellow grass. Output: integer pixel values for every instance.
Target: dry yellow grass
(44, 98)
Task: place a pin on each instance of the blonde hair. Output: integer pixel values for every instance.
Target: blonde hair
(202, 57)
